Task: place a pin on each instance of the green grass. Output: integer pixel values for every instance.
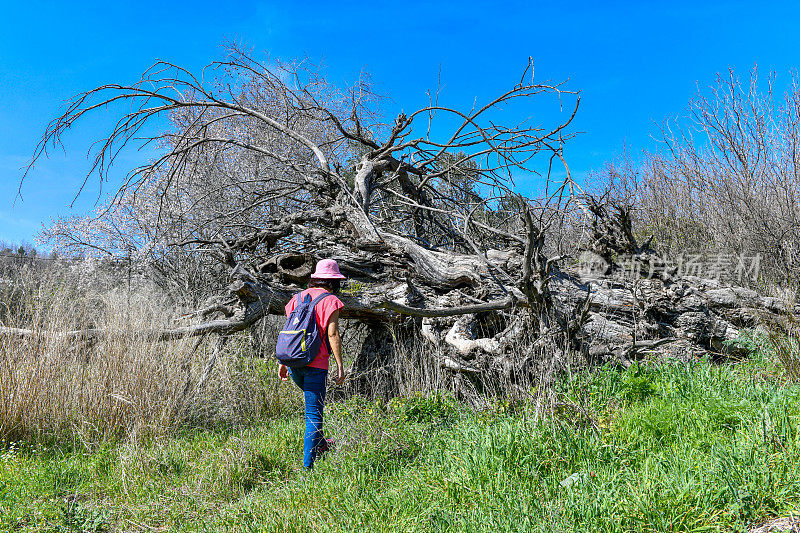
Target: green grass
(675, 447)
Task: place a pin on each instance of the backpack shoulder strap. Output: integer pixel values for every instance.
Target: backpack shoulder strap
(300, 300)
(319, 298)
(325, 338)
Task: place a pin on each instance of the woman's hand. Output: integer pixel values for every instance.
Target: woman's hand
(283, 372)
(336, 346)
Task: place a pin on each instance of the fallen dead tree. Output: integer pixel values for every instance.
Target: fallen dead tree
(605, 315)
(269, 169)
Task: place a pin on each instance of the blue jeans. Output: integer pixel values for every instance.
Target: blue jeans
(312, 381)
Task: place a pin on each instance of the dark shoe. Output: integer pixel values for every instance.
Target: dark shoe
(327, 446)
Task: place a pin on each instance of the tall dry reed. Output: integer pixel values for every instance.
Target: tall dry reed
(121, 386)
(786, 348)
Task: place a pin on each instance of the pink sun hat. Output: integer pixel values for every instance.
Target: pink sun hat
(327, 269)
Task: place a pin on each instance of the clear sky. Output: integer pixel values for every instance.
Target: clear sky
(635, 62)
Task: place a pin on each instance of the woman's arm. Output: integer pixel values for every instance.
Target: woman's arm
(336, 345)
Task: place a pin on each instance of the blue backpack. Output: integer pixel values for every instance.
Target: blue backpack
(299, 341)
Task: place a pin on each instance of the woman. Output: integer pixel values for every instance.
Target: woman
(311, 378)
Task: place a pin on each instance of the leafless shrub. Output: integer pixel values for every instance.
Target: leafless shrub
(727, 177)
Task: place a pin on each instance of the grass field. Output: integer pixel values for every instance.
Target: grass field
(677, 447)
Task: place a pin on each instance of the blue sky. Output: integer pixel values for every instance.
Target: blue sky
(635, 62)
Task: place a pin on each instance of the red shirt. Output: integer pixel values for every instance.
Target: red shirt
(323, 312)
